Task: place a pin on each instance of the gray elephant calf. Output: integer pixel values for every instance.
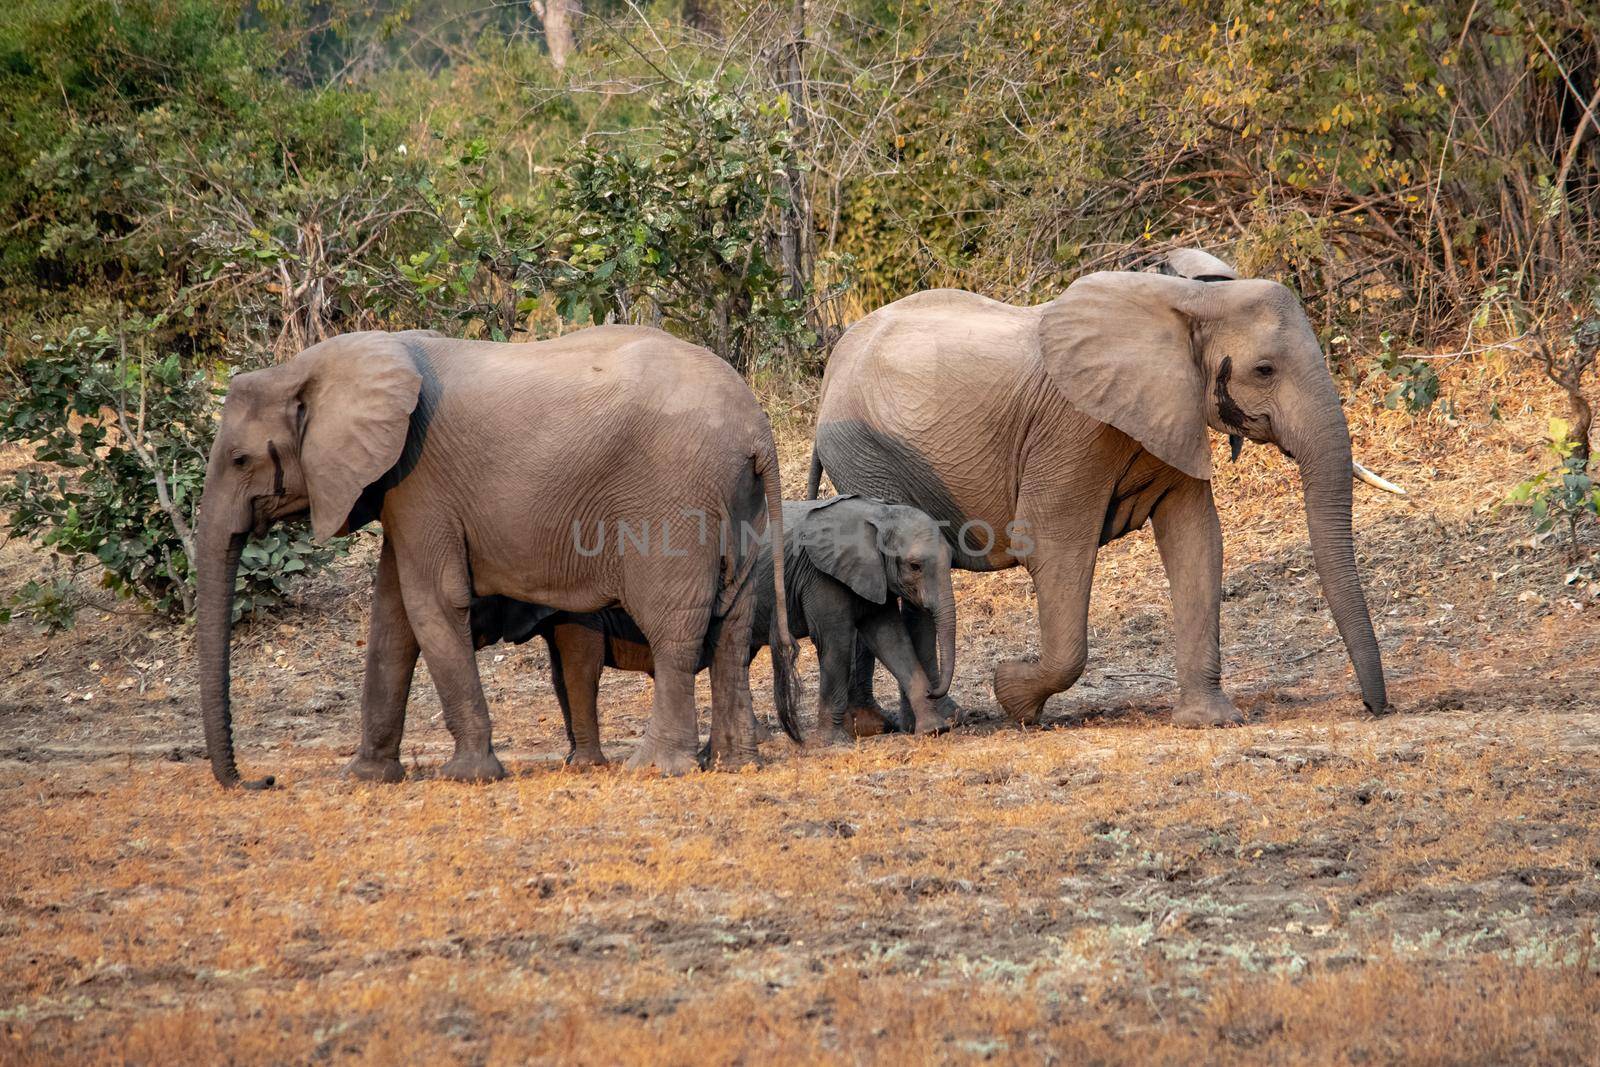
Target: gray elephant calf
(855, 570)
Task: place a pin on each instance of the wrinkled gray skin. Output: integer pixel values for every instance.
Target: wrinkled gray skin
(479, 459)
(1068, 425)
(851, 565)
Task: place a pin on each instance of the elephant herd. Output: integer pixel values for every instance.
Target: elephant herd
(615, 491)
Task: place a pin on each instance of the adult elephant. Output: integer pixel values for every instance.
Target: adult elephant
(615, 465)
(1038, 434)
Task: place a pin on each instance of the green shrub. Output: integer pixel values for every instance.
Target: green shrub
(127, 429)
(686, 233)
(1565, 496)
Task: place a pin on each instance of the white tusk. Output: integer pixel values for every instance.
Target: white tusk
(1364, 475)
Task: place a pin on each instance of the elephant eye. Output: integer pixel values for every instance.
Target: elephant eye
(241, 460)
(1265, 370)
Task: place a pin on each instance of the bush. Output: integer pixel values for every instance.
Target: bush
(686, 235)
(1565, 496)
(129, 430)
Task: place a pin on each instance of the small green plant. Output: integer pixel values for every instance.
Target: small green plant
(1416, 385)
(1565, 496)
(270, 566)
(52, 605)
(121, 431)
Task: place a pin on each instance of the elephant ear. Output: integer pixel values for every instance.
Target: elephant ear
(843, 542)
(1120, 347)
(357, 398)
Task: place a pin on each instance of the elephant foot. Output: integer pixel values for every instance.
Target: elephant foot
(473, 767)
(728, 758)
(828, 735)
(586, 756)
(375, 769)
(867, 721)
(669, 761)
(931, 720)
(1211, 709)
(1017, 690)
(929, 716)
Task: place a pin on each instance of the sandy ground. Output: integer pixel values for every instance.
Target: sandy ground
(1315, 886)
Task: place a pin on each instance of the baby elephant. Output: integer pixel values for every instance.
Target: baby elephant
(855, 569)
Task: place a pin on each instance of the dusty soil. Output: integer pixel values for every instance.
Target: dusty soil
(1315, 886)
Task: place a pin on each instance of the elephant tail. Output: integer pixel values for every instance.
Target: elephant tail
(814, 482)
(787, 692)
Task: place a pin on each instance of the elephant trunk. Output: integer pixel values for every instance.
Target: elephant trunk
(944, 615)
(218, 565)
(1325, 474)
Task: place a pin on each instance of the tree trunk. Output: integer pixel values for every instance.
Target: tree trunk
(557, 17)
(796, 254)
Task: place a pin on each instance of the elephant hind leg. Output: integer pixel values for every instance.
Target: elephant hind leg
(733, 720)
(576, 655)
(864, 716)
(671, 737)
(834, 653)
(676, 635)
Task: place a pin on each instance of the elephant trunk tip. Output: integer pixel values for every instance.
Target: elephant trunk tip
(228, 778)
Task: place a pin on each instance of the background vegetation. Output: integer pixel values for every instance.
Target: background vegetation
(192, 187)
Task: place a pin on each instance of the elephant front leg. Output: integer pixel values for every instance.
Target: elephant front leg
(577, 655)
(924, 632)
(391, 661)
(1189, 538)
(1063, 574)
(437, 595)
(885, 634)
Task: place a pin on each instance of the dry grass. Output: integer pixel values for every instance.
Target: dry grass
(1314, 887)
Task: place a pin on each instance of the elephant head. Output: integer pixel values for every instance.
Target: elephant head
(309, 434)
(1193, 263)
(1161, 358)
(881, 550)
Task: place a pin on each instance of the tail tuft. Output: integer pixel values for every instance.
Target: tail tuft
(787, 692)
(814, 482)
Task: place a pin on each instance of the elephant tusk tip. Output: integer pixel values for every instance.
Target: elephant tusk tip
(1361, 474)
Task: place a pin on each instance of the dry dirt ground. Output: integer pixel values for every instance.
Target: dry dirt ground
(1315, 886)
